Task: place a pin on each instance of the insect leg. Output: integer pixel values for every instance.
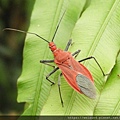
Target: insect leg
(76, 53)
(50, 75)
(68, 45)
(59, 83)
(46, 62)
(96, 62)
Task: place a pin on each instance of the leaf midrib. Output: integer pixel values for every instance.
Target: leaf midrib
(39, 82)
(117, 108)
(102, 29)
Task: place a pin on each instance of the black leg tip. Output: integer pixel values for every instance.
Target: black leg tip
(52, 84)
(106, 74)
(62, 104)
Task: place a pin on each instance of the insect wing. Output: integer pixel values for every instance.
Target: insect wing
(81, 69)
(86, 86)
(78, 77)
(70, 76)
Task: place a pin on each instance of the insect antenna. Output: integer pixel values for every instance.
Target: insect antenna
(58, 26)
(11, 29)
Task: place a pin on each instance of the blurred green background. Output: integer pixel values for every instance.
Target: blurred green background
(14, 14)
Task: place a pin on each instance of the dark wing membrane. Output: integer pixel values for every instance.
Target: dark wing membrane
(86, 86)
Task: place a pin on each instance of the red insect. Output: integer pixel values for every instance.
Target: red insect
(76, 74)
